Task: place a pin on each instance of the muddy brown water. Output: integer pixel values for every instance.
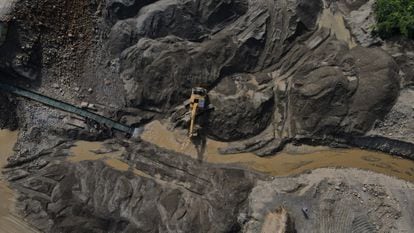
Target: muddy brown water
(86, 151)
(292, 161)
(9, 220)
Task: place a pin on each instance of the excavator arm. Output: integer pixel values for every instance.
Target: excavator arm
(194, 107)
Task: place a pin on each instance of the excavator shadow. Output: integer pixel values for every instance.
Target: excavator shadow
(200, 143)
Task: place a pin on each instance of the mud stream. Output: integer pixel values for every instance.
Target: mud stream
(291, 161)
(9, 221)
(87, 151)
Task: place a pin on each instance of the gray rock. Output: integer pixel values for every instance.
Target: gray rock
(361, 21)
(334, 99)
(324, 89)
(240, 109)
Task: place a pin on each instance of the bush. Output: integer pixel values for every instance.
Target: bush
(395, 17)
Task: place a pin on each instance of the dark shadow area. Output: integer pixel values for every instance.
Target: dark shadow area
(117, 10)
(202, 124)
(19, 65)
(200, 142)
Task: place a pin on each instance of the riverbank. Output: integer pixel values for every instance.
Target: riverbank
(10, 222)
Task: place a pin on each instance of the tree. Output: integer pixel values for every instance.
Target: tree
(394, 17)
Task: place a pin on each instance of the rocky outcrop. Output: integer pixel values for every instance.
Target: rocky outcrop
(165, 192)
(328, 99)
(321, 90)
(237, 42)
(241, 108)
(401, 51)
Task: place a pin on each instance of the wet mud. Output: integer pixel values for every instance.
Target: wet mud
(291, 161)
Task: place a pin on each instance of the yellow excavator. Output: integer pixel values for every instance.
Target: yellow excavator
(197, 102)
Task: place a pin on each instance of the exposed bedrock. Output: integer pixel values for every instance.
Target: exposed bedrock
(190, 20)
(324, 89)
(312, 83)
(253, 39)
(287, 76)
(168, 193)
(241, 109)
(341, 91)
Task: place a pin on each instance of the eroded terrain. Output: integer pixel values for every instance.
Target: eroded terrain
(310, 127)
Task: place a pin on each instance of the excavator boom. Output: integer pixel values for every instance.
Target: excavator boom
(193, 116)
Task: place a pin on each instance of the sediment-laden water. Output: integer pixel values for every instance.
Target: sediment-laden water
(289, 162)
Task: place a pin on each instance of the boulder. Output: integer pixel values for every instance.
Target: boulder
(347, 96)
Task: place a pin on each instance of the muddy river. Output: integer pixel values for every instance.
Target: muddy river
(291, 161)
(9, 221)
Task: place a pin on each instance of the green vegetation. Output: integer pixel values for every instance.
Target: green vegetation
(395, 17)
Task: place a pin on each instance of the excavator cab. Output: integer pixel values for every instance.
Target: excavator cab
(198, 96)
(197, 102)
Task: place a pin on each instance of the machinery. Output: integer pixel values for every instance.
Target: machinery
(197, 102)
